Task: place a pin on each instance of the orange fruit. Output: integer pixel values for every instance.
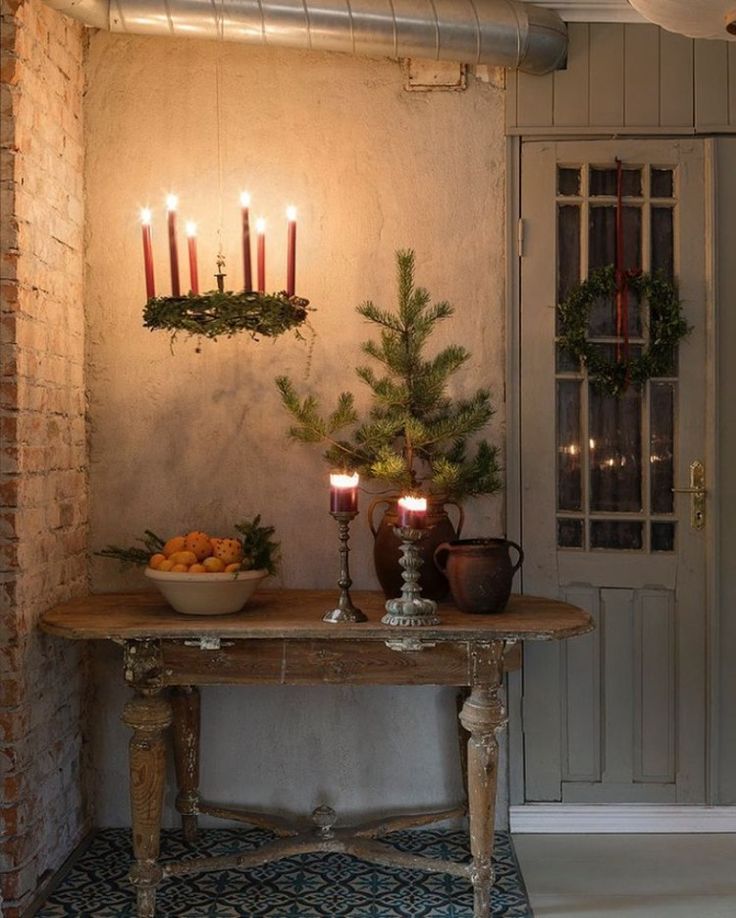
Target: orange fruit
(232, 568)
(155, 560)
(180, 568)
(175, 544)
(165, 565)
(197, 569)
(183, 557)
(228, 550)
(213, 565)
(199, 543)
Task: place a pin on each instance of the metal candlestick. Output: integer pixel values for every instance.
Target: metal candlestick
(220, 276)
(345, 611)
(410, 609)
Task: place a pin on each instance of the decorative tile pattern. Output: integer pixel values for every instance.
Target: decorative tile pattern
(307, 886)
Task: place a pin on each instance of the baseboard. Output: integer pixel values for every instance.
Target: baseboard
(49, 883)
(569, 818)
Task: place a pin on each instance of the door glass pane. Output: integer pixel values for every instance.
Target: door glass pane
(569, 533)
(602, 237)
(565, 362)
(661, 446)
(568, 249)
(662, 183)
(663, 536)
(662, 242)
(568, 181)
(621, 534)
(615, 450)
(603, 182)
(569, 478)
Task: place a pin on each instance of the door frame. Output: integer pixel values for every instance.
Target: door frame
(514, 253)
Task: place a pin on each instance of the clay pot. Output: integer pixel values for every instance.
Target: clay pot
(479, 572)
(386, 548)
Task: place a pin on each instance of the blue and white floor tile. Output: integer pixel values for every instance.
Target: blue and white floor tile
(308, 886)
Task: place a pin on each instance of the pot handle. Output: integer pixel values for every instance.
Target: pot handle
(443, 548)
(376, 502)
(516, 567)
(460, 516)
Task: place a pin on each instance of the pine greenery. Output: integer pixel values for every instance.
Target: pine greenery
(415, 437)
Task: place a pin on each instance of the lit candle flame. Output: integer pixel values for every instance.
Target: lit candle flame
(171, 202)
(146, 216)
(260, 225)
(344, 481)
(244, 199)
(291, 213)
(191, 229)
(414, 503)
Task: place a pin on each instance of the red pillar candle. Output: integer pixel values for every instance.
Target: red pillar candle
(192, 245)
(291, 251)
(171, 203)
(247, 270)
(148, 252)
(261, 234)
(344, 493)
(412, 512)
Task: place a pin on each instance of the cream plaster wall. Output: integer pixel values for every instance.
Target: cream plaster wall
(189, 439)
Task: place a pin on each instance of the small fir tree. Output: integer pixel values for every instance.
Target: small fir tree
(415, 437)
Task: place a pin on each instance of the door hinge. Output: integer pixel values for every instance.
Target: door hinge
(520, 237)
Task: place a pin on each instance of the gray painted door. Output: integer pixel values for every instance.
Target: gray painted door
(617, 716)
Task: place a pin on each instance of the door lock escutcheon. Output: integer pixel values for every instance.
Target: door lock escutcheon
(697, 494)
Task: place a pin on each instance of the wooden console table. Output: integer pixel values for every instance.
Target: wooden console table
(280, 639)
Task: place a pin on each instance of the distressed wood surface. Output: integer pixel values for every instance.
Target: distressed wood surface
(185, 703)
(297, 614)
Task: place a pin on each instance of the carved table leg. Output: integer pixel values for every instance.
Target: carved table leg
(148, 714)
(186, 707)
(482, 716)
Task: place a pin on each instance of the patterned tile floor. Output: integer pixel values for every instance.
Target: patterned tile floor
(308, 886)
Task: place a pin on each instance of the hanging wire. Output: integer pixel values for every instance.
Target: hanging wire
(220, 20)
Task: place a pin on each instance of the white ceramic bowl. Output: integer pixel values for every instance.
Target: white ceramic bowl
(207, 594)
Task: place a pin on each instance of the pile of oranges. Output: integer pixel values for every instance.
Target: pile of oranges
(198, 553)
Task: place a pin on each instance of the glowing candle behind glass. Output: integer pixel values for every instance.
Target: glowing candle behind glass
(192, 243)
(171, 204)
(148, 252)
(344, 493)
(291, 251)
(247, 270)
(412, 512)
(261, 235)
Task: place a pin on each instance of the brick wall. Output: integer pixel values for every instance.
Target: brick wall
(43, 485)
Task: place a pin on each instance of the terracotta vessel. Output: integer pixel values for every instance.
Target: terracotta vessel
(479, 572)
(386, 548)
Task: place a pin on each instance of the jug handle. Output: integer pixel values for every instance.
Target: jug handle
(444, 547)
(516, 567)
(376, 502)
(460, 516)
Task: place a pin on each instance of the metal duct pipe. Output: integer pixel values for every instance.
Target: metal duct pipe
(504, 33)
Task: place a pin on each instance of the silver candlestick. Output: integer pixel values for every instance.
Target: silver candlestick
(410, 609)
(345, 611)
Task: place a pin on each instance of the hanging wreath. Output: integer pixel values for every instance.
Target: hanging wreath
(667, 327)
(219, 313)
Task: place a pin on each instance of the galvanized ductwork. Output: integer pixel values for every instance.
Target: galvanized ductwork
(504, 33)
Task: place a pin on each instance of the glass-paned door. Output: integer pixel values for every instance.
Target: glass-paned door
(618, 715)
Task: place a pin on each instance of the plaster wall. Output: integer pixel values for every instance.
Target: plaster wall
(182, 439)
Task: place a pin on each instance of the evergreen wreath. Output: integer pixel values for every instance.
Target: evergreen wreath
(219, 313)
(667, 327)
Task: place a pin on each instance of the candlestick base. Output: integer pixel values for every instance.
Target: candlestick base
(346, 611)
(410, 609)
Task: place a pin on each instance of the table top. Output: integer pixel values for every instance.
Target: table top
(297, 615)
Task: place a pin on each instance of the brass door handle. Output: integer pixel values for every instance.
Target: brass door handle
(697, 494)
(688, 491)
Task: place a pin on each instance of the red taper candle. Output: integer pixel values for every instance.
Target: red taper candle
(247, 270)
(261, 233)
(344, 493)
(171, 203)
(291, 252)
(192, 245)
(148, 252)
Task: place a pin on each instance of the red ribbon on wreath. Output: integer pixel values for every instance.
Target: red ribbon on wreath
(623, 275)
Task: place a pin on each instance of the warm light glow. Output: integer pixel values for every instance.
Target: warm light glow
(146, 216)
(291, 213)
(244, 199)
(191, 229)
(415, 504)
(171, 202)
(344, 481)
(591, 443)
(260, 225)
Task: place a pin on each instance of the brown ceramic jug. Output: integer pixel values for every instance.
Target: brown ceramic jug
(387, 547)
(479, 572)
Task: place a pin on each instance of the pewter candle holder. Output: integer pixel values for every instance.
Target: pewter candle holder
(345, 611)
(410, 609)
